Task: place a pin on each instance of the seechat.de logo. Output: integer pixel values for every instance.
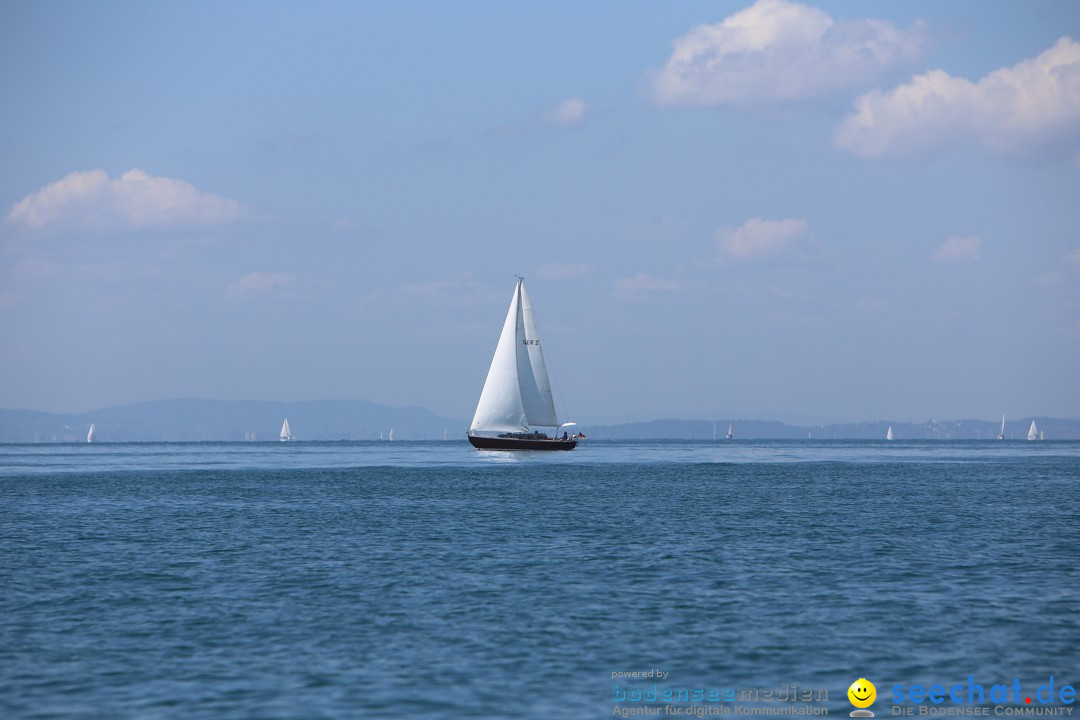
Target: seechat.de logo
(862, 694)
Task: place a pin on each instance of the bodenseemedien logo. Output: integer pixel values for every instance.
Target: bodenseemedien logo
(862, 694)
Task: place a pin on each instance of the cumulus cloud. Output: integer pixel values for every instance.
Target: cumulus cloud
(568, 112)
(90, 200)
(757, 237)
(776, 50)
(1031, 107)
(959, 249)
(258, 282)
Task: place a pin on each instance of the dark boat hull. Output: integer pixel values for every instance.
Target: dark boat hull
(497, 443)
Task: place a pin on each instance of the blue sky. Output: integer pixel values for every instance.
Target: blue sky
(824, 211)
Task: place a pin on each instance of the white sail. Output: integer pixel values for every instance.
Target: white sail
(1033, 433)
(391, 435)
(286, 432)
(731, 430)
(517, 392)
(91, 434)
(889, 433)
(534, 382)
(1001, 435)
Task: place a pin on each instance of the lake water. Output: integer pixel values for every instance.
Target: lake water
(430, 580)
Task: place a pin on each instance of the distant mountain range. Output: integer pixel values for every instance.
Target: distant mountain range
(195, 420)
(1053, 428)
(227, 420)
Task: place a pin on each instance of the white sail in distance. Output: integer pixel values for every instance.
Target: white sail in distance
(91, 434)
(517, 391)
(286, 432)
(1033, 433)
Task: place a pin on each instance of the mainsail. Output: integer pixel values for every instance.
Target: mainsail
(1033, 433)
(517, 392)
(286, 433)
(91, 435)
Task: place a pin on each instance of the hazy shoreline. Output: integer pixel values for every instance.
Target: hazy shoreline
(220, 420)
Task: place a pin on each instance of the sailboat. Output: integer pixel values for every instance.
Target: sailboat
(1033, 433)
(516, 398)
(391, 436)
(1001, 435)
(286, 432)
(91, 435)
(888, 433)
(731, 430)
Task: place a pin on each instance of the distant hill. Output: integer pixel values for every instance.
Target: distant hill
(191, 420)
(1054, 429)
(227, 420)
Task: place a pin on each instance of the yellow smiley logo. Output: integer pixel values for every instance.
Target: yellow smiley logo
(862, 693)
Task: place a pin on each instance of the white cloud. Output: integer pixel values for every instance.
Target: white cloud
(776, 50)
(757, 237)
(90, 200)
(643, 282)
(959, 249)
(568, 112)
(258, 282)
(559, 271)
(1031, 107)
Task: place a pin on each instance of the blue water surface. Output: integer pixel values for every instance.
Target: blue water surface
(430, 580)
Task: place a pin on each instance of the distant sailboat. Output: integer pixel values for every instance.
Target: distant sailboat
(391, 436)
(91, 435)
(516, 398)
(1001, 435)
(731, 430)
(888, 434)
(1033, 433)
(286, 432)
